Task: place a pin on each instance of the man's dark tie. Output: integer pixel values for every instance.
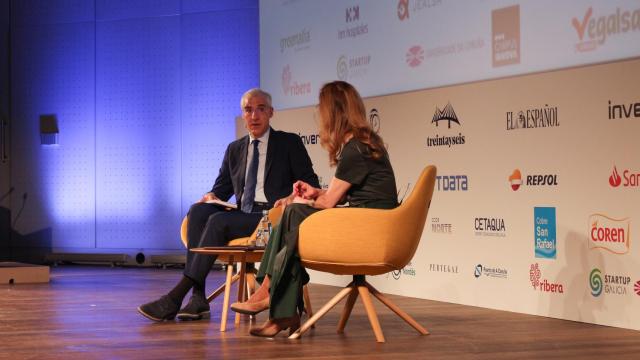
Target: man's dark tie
(251, 180)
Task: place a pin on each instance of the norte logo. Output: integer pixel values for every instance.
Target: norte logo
(612, 285)
(619, 111)
(541, 284)
(291, 87)
(447, 114)
(609, 234)
(533, 118)
(515, 180)
(631, 179)
(544, 219)
(374, 120)
(352, 15)
(486, 226)
(415, 56)
(452, 182)
(439, 227)
(505, 26)
(593, 31)
(490, 271)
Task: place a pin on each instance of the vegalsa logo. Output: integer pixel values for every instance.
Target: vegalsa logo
(636, 287)
(543, 285)
(544, 219)
(374, 120)
(515, 179)
(593, 31)
(449, 115)
(291, 87)
(630, 179)
(595, 282)
(609, 234)
(415, 56)
(403, 9)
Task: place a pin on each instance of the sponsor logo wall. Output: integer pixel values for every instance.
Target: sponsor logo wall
(543, 190)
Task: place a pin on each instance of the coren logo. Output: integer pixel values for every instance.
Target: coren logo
(609, 234)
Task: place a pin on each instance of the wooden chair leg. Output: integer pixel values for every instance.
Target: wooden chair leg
(227, 292)
(307, 303)
(220, 289)
(242, 284)
(328, 306)
(397, 310)
(346, 311)
(371, 312)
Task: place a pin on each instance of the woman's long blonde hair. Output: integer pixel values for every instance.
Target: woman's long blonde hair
(342, 113)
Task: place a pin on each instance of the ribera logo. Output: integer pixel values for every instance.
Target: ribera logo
(443, 268)
(546, 116)
(374, 120)
(609, 234)
(352, 14)
(439, 227)
(505, 26)
(298, 41)
(352, 67)
(624, 111)
(544, 220)
(629, 178)
(593, 31)
(490, 271)
(540, 284)
(292, 87)
(612, 284)
(452, 182)
(490, 226)
(515, 180)
(415, 56)
(447, 114)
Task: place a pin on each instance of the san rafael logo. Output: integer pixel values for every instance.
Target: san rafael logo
(544, 220)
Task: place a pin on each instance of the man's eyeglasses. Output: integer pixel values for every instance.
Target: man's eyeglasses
(260, 109)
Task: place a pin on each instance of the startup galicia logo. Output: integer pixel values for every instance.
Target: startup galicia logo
(612, 284)
(544, 219)
(447, 114)
(595, 282)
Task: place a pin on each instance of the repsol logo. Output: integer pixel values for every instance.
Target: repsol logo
(452, 182)
(310, 139)
(542, 180)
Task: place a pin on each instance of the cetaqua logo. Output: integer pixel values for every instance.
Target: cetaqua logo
(593, 31)
(291, 87)
(415, 56)
(543, 285)
(630, 178)
(609, 234)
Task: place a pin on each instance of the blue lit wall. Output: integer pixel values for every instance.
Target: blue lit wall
(145, 93)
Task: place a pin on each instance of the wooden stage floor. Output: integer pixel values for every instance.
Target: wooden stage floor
(90, 313)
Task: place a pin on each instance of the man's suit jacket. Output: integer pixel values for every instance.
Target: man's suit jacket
(287, 162)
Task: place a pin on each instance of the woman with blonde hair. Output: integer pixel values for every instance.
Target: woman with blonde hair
(363, 178)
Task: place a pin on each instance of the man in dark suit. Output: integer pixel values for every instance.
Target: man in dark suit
(259, 169)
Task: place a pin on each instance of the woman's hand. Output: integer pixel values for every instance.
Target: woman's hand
(305, 191)
(301, 200)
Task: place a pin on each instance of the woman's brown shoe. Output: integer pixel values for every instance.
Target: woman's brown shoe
(273, 326)
(250, 308)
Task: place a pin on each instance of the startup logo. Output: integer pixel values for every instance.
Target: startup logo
(353, 67)
(505, 29)
(439, 227)
(447, 114)
(541, 284)
(352, 14)
(490, 227)
(612, 285)
(544, 219)
(533, 118)
(515, 180)
(292, 87)
(631, 179)
(490, 271)
(418, 5)
(452, 182)
(620, 111)
(297, 42)
(415, 56)
(374, 120)
(593, 31)
(609, 234)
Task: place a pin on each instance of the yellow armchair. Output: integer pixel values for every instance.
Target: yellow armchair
(360, 242)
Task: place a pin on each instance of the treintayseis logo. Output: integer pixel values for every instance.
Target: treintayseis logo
(544, 219)
(447, 114)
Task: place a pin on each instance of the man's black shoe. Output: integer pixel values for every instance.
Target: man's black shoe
(160, 310)
(196, 309)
